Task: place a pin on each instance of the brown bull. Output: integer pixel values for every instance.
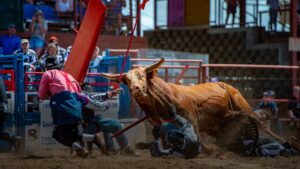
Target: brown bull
(206, 105)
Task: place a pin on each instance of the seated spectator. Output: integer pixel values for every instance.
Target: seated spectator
(29, 55)
(38, 29)
(10, 42)
(294, 105)
(61, 50)
(268, 103)
(63, 6)
(51, 56)
(96, 59)
(294, 113)
(266, 109)
(68, 51)
(114, 15)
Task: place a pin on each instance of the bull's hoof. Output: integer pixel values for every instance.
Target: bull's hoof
(211, 149)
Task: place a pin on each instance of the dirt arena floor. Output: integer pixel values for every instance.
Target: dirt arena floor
(61, 159)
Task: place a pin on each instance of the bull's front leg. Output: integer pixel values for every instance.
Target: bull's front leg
(207, 148)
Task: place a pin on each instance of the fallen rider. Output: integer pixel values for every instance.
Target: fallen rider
(180, 136)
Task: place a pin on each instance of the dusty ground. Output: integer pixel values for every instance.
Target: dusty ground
(61, 159)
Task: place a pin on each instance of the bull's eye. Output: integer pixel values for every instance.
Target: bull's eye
(141, 76)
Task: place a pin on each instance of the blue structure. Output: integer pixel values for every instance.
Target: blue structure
(16, 62)
(113, 64)
(26, 112)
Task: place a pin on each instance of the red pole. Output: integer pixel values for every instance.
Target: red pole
(129, 127)
(294, 35)
(181, 74)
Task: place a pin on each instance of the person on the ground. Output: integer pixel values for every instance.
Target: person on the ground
(180, 136)
(10, 42)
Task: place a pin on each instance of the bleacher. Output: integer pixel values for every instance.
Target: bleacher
(57, 22)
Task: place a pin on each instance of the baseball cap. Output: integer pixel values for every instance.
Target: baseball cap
(265, 94)
(11, 26)
(271, 93)
(53, 39)
(24, 41)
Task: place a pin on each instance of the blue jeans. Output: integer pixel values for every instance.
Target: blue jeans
(36, 43)
(108, 127)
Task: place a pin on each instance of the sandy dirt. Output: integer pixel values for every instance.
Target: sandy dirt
(61, 159)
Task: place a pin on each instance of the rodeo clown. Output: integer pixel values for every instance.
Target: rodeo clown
(66, 103)
(180, 136)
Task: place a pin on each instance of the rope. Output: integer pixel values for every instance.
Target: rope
(142, 6)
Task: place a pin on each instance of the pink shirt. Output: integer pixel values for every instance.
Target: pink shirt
(54, 81)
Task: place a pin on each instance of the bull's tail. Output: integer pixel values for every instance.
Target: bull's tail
(239, 103)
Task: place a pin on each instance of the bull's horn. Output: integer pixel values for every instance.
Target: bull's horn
(112, 76)
(155, 65)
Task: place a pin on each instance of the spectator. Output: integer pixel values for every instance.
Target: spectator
(30, 58)
(294, 105)
(68, 51)
(115, 15)
(96, 59)
(294, 113)
(38, 29)
(52, 56)
(273, 11)
(266, 109)
(61, 50)
(11, 41)
(231, 9)
(63, 6)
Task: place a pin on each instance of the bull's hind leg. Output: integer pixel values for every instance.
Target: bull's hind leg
(265, 128)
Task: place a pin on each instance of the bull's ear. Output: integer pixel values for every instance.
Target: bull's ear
(152, 73)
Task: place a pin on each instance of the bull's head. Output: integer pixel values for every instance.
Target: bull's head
(136, 79)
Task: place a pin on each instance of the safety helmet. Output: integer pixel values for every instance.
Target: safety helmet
(175, 138)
